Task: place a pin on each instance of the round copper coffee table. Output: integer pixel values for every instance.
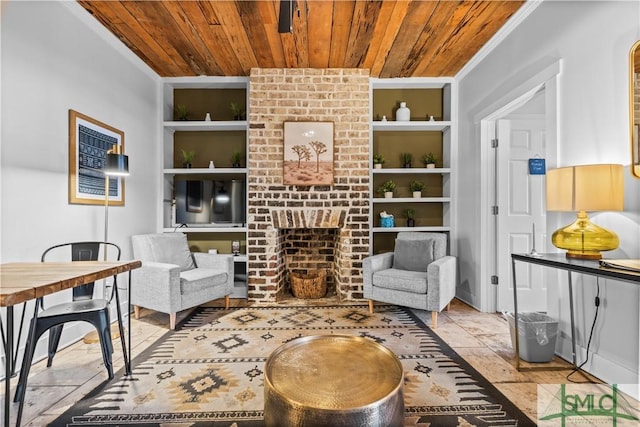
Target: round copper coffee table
(333, 380)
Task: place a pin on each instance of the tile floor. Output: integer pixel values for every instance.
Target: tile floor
(481, 338)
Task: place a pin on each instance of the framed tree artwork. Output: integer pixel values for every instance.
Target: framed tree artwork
(308, 153)
(89, 142)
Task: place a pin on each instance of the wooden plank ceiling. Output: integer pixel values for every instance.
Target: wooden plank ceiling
(391, 38)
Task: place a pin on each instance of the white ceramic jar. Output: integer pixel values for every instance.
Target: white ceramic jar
(403, 114)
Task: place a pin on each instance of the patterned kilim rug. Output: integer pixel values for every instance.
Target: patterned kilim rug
(209, 372)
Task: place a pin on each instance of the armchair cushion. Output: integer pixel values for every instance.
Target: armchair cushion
(413, 255)
(168, 248)
(201, 278)
(401, 280)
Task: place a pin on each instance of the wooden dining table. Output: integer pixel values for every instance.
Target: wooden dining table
(24, 281)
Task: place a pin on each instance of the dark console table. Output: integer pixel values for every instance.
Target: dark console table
(571, 265)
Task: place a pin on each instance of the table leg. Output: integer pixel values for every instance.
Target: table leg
(573, 327)
(127, 367)
(515, 314)
(8, 366)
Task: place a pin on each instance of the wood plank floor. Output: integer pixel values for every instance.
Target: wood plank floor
(481, 338)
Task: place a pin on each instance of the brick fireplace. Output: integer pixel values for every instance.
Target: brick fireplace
(303, 227)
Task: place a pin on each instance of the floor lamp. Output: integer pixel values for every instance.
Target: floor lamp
(117, 165)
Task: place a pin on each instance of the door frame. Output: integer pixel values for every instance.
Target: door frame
(546, 80)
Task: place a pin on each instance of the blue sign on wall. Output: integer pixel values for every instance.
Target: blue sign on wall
(537, 167)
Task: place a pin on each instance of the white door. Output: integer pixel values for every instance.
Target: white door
(521, 207)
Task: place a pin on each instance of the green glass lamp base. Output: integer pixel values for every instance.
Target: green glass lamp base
(583, 239)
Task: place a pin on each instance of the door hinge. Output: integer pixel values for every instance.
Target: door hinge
(494, 143)
(494, 280)
(494, 210)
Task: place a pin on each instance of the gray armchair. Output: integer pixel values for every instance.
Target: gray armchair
(417, 274)
(173, 279)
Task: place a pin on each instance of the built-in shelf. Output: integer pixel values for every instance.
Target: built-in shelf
(421, 228)
(206, 229)
(412, 200)
(199, 171)
(409, 126)
(411, 170)
(201, 126)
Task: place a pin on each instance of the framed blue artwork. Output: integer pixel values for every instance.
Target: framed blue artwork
(537, 166)
(89, 141)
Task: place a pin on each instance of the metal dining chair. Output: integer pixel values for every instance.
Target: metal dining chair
(83, 307)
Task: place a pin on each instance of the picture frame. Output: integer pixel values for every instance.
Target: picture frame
(308, 153)
(636, 145)
(89, 142)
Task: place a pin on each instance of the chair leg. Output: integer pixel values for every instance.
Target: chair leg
(226, 302)
(448, 307)
(136, 311)
(371, 306)
(172, 320)
(54, 339)
(101, 323)
(434, 319)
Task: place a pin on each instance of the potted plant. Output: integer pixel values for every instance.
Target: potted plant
(410, 218)
(187, 157)
(406, 159)
(387, 189)
(378, 161)
(236, 158)
(238, 111)
(430, 160)
(416, 188)
(181, 112)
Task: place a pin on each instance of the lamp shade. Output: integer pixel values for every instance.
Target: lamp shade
(116, 165)
(586, 188)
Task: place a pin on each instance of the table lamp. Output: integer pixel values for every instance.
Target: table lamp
(581, 189)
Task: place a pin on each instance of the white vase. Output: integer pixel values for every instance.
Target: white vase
(403, 114)
(417, 194)
(388, 194)
(377, 165)
(431, 165)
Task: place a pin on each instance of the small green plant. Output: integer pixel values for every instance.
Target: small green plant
(410, 213)
(430, 159)
(236, 158)
(387, 186)
(188, 156)
(181, 112)
(378, 159)
(406, 159)
(237, 110)
(416, 186)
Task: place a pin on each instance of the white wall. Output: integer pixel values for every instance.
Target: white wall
(53, 61)
(592, 39)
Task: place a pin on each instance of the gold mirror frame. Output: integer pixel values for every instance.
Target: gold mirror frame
(634, 108)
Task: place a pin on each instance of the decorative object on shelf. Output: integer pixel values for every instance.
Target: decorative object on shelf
(432, 119)
(211, 165)
(235, 247)
(308, 153)
(384, 118)
(187, 157)
(430, 160)
(416, 188)
(411, 222)
(99, 144)
(403, 114)
(387, 189)
(207, 117)
(236, 157)
(378, 161)
(181, 112)
(581, 189)
(406, 159)
(238, 111)
(386, 220)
